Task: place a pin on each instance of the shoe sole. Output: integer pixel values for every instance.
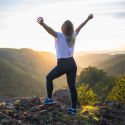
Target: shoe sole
(71, 112)
(48, 103)
(68, 111)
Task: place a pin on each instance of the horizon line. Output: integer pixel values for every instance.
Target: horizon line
(74, 51)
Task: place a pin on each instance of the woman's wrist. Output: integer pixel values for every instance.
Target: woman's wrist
(87, 19)
(42, 24)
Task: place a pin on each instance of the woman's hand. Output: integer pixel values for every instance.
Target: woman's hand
(40, 20)
(47, 28)
(90, 16)
(79, 28)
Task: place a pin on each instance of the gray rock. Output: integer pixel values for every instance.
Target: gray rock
(8, 121)
(2, 115)
(112, 104)
(103, 121)
(119, 104)
(24, 101)
(36, 100)
(98, 104)
(107, 102)
(50, 118)
(3, 105)
(3, 98)
(105, 110)
(43, 120)
(12, 100)
(117, 101)
(19, 122)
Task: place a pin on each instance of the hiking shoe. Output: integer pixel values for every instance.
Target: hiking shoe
(47, 101)
(73, 111)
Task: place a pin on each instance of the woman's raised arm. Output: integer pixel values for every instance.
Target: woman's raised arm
(79, 28)
(47, 28)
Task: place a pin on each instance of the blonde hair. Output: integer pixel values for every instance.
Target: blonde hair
(68, 31)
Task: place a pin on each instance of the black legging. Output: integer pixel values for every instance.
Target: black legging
(68, 66)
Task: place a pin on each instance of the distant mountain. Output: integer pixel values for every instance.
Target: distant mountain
(117, 68)
(118, 52)
(110, 61)
(83, 53)
(28, 57)
(85, 61)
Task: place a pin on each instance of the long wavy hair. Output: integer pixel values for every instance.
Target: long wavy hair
(68, 31)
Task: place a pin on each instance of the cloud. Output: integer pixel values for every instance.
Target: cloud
(110, 8)
(116, 15)
(3, 26)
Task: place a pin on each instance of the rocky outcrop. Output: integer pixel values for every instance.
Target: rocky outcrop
(4, 98)
(30, 111)
(112, 110)
(40, 115)
(63, 98)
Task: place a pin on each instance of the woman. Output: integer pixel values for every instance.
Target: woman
(64, 44)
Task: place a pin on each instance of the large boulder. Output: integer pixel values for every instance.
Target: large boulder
(36, 100)
(63, 98)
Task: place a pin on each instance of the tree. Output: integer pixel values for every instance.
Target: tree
(118, 91)
(86, 96)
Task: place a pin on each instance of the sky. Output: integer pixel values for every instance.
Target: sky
(19, 27)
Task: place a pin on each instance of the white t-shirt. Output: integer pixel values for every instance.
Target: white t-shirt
(62, 49)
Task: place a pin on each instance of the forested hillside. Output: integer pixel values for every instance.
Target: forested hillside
(117, 68)
(111, 61)
(83, 53)
(23, 73)
(16, 82)
(27, 57)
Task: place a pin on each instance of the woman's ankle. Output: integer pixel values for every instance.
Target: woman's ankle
(73, 109)
(49, 98)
